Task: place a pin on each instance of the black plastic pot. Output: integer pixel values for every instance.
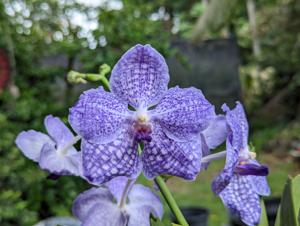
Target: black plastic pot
(195, 216)
(271, 204)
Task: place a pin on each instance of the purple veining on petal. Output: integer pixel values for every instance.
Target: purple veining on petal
(166, 156)
(242, 200)
(243, 179)
(140, 77)
(102, 162)
(224, 178)
(251, 169)
(98, 116)
(183, 113)
(260, 185)
(237, 122)
(96, 206)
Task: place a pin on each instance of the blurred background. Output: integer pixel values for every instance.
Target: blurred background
(233, 50)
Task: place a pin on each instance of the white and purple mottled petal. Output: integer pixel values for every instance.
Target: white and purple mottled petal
(216, 132)
(163, 155)
(140, 77)
(58, 131)
(117, 185)
(242, 200)
(260, 185)
(31, 143)
(142, 203)
(225, 177)
(60, 164)
(86, 200)
(98, 116)
(105, 214)
(183, 113)
(102, 162)
(237, 122)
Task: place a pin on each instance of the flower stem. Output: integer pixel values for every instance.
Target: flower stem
(124, 194)
(212, 157)
(170, 201)
(105, 82)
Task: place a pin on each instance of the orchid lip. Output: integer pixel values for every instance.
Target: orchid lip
(251, 169)
(142, 132)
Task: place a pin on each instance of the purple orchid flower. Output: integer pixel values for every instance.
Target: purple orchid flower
(243, 179)
(54, 153)
(168, 122)
(109, 207)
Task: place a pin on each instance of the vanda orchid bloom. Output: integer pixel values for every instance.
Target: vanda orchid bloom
(243, 179)
(176, 127)
(54, 153)
(108, 206)
(168, 122)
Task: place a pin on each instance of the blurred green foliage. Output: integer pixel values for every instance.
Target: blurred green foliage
(31, 30)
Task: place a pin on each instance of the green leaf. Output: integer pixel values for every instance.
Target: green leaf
(277, 222)
(263, 218)
(290, 204)
(173, 224)
(299, 217)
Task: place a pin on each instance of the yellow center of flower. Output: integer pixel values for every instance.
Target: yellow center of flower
(252, 155)
(142, 116)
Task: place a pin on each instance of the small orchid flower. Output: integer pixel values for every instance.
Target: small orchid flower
(168, 122)
(243, 179)
(110, 207)
(54, 153)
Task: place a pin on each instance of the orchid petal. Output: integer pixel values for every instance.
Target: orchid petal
(165, 156)
(117, 185)
(216, 132)
(86, 200)
(31, 143)
(183, 113)
(60, 164)
(98, 116)
(242, 200)
(238, 125)
(140, 77)
(142, 203)
(102, 162)
(224, 178)
(58, 131)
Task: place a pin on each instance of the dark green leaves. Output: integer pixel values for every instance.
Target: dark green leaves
(288, 213)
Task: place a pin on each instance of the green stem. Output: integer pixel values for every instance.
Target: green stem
(170, 201)
(97, 77)
(105, 82)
